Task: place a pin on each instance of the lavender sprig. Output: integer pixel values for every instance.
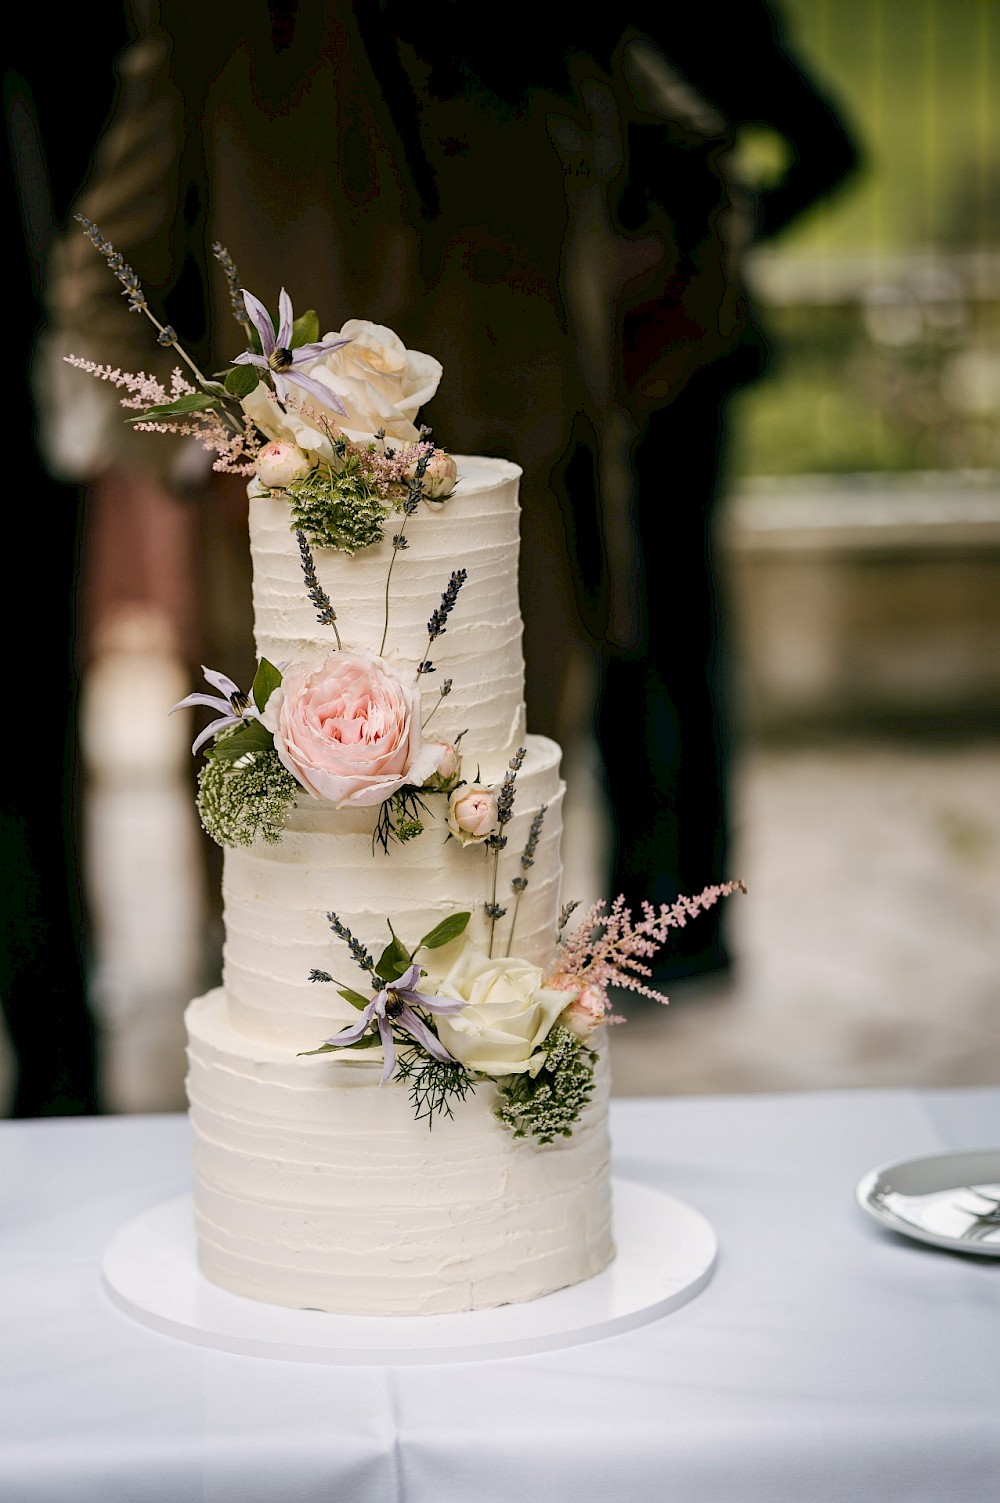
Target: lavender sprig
(519, 883)
(445, 691)
(359, 954)
(497, 841)
(133, 292)
(438, 623)
(236, 302)
(325, 613)
(414, 495)
(565, 914)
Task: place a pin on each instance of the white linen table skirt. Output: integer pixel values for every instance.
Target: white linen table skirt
(829, 1360)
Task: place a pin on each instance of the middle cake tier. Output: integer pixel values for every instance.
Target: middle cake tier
(277, 899)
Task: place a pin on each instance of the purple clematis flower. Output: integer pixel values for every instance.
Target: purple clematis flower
(278, 360)
(393, 1006)
(234, 708)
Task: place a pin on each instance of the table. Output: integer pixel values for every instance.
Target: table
(829, 1360)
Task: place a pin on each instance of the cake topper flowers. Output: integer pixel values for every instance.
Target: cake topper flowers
(328, 423)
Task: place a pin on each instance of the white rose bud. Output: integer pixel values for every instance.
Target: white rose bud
(440, 476)
(448, 768)
(472, 813)
(279, 464)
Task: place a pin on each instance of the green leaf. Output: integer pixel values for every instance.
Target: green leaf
(251, 737)
(242, 380)
(443, 933)
(366, 1041)
(394, 960)
(305, 329)
(323, 1049)
(266, 680)
(355, 998)
(195, 401)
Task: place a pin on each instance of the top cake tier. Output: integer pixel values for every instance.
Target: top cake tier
(476, 530)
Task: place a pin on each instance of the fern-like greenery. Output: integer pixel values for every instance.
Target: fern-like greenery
(342, 511)
(551, 1104)
(434, 1084)
(240, 802)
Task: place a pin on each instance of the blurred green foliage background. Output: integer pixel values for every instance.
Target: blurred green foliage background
(883, 304)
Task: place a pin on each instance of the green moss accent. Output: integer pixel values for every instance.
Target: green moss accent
(342, 511)
(551, 1105)
(240, 802)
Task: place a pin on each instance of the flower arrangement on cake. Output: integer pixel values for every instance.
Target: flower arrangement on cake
(453, 958)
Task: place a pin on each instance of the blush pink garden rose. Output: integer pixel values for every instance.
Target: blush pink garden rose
(348, 729)
(380, 383)
(472, 813)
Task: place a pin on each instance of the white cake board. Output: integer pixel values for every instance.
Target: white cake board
(665, 1256)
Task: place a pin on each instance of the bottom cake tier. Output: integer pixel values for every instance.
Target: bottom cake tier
(315, 1187)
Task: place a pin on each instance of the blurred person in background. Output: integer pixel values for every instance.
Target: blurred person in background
(582, 248)
(53, 119)
(555, 221)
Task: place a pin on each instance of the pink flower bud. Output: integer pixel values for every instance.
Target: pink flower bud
(279, 464)
(448, 768)
(440, 476)
(587, 1009)
(472, 813)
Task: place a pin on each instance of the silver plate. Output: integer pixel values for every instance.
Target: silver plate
(948, 1199)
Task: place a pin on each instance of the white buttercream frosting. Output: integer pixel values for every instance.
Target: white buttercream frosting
(277, 898)
(316, 1186)
(476, 530)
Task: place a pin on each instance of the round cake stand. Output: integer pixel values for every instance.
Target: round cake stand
(665, 1256)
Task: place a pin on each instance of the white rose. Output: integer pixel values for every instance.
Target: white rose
(507, 1017)
(278, 464)
(380, 382)
(472, 813)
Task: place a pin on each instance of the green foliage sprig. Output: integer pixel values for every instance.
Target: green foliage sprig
(342, 511)
(245, 800)
(435, 1085)
(399, 818)
(551, 1104)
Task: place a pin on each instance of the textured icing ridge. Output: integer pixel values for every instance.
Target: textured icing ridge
(315, 1187)
(276, 900)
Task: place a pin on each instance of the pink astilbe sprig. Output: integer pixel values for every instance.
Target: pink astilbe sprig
(143, 391)
(387, 465)
(235, 452)
(608, 948)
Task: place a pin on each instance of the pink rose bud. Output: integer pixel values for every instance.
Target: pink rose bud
(587, 1009)
(279, 464)
(440, 476)
(472, 813)
(448, 769)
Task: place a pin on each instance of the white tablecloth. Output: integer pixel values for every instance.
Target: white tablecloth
(829, 1361)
